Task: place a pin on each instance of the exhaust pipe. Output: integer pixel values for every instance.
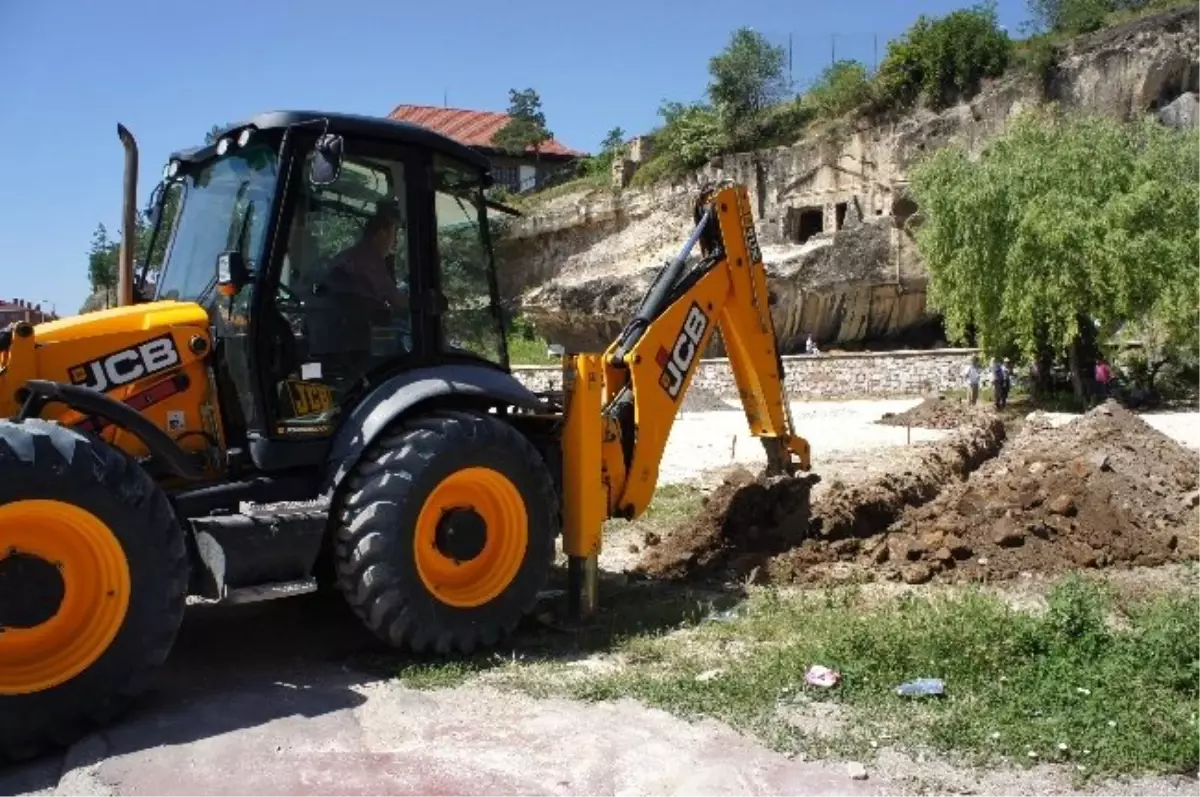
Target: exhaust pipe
(128, 219)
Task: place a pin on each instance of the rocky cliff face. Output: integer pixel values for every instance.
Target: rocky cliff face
(832, 210)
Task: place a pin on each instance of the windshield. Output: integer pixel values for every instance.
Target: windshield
(225, 205)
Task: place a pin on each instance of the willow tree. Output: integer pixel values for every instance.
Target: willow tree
(1062, 230)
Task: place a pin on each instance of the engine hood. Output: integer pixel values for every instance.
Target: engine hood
(121, 321)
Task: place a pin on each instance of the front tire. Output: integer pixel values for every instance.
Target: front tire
(93, 580)
(446, 533)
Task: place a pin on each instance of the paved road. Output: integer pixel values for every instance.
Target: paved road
(290, 697)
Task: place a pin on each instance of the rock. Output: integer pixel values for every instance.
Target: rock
(651, 539)
(1191, 500)
(1007, 535)
(958, 548)
(944, 556)
(1100, 461)
(1083, 555)
(1041, 530)
(932, 540)
(1187, 546)
(856, 771)
(1037, 467)
(1183, 112)
(880, 554)
(709, 675)
(919, 573)
(1062, 505)
(913, 550)
(633, 548)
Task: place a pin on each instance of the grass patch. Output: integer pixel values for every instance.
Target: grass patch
(586, 183)
(1120, 701)
(672, 504)
(525, 345)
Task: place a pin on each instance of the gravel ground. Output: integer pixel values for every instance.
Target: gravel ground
(836, 430)
(309, 707)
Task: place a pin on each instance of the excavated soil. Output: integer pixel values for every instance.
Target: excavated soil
(748, 519)
(1105, 490)
(937, 413)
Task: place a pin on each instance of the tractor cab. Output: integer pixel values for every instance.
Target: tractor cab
(332, 253)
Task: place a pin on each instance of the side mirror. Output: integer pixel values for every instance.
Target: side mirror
(232, 274)
(325, 165)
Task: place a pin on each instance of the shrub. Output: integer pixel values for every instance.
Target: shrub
(840, 88)
(944, 60)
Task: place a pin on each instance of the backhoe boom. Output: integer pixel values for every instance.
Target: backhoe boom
(621, 405)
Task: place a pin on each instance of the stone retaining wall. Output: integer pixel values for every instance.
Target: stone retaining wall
(826, 376)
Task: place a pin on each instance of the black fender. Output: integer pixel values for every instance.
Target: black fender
(395, 396)
(163, 449)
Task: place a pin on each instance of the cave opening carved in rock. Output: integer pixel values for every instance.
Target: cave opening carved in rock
(804, 223)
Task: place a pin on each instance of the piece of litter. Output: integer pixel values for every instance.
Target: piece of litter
(856, 771)
(1112, 723)
(1081, 690)
(995, 734)
(922, 686)
(820, 675)
(1031, 754)
(1062, 745)
(708, 675)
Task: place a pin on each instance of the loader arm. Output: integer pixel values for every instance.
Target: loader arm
(620, 406)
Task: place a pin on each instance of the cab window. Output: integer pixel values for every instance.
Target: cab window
(471, 321)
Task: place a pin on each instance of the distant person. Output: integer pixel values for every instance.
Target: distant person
(999, 383)
(973, 375)
(1006, 385)
(1103, 376)
(810, 346)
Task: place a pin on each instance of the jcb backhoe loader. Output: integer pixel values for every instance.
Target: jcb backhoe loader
(307, 382)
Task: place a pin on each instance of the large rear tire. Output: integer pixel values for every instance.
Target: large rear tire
(446, 533)
(93, 581)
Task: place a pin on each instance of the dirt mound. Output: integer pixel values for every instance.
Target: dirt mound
(936, 413)
(698, 399)
(747, 520)
(746, 516)
(1104, 490)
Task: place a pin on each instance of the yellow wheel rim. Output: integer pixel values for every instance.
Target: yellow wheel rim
(95, 594)
(471, 582)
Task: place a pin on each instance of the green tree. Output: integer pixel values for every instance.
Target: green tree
(690, 135)
(748, 76)
(613, 143)
(840, 88)
(1073, 17)
(526, 128)
(1063, 230)
(102, 263)
(944, 59)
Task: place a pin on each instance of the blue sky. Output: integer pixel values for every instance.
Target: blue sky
(170, 70)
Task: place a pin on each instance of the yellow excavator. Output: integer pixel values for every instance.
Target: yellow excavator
(305, 383)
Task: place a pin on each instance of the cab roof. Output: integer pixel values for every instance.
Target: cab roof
(352, 125)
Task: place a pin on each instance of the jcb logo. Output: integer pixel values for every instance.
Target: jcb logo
(752, 250)
(128, 365)
(676, 362)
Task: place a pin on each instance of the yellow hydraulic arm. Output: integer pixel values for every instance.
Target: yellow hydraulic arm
(620, 405)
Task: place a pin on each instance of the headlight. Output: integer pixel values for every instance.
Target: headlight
(244, 137)
(171, 170)
(223, 146)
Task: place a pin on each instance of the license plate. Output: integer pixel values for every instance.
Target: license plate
(309, 398)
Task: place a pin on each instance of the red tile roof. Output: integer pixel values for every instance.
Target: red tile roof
(472, 128)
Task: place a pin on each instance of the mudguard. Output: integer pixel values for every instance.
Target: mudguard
(392, 398)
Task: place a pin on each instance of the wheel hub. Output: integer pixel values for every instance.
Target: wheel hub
(31, 590)
(461, 534)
